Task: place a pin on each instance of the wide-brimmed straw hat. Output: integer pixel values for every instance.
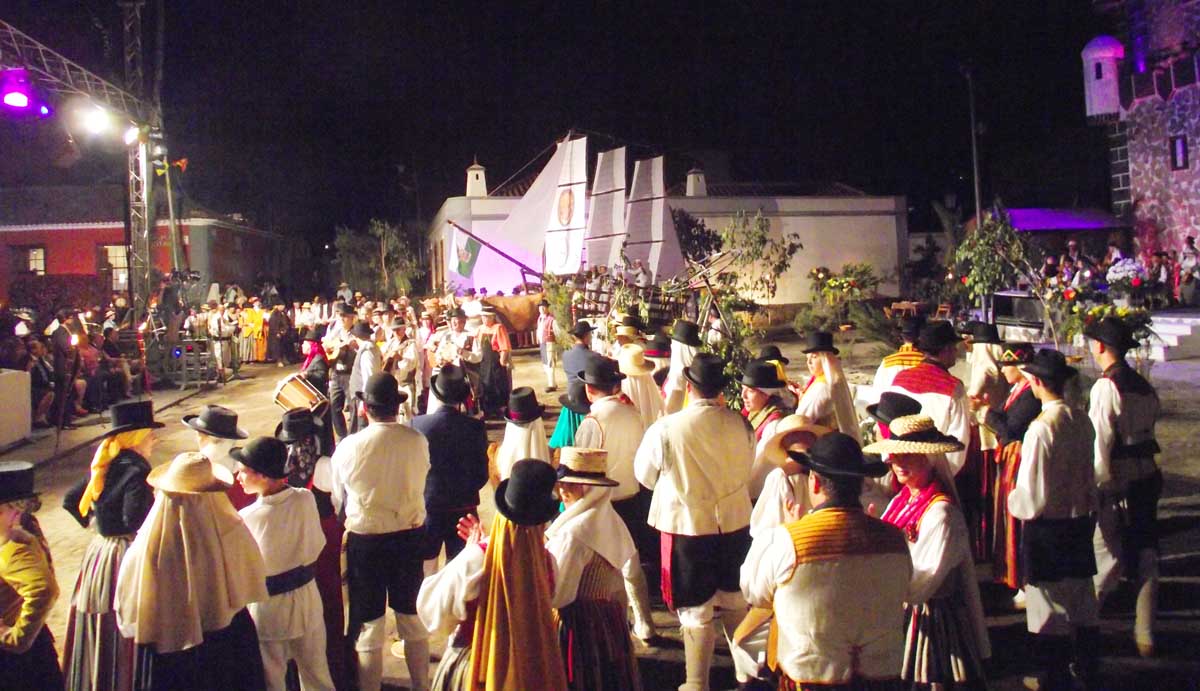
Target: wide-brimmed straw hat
(190, 473)
(632, 360)
(914, 434)
(580, 466)
(774, 448)
(628, 332)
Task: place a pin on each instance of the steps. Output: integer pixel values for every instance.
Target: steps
(1177, 336)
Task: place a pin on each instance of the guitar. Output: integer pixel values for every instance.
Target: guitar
(333, 348)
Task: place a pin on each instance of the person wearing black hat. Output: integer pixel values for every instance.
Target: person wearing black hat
(278, 326)
(315, 364)
(1123, 409)
(977, 479)
(116, 495)
(942, 395)
(1054, 496)
(615, 426)
(378, 482)
(524, 434)
(788, 569)
(575, 359)
(703, 516)
(217, 432)
(762, 389)
(1008, 420)
(339, 348)
(285, 523)
(826, 399)
(368, 360)
(458, 461)
(459, 346)
(685, 343)
(28, 587)
(545, 337)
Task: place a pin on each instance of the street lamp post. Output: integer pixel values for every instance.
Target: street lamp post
(966, 72)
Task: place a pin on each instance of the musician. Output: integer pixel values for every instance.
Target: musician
(400, 356)
(457, 346)
(368, 362)
(424, 346)
(339, 348)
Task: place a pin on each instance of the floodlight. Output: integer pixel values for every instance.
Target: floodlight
(131, 135)
(15, 89)
(16, 99)
(96, 120)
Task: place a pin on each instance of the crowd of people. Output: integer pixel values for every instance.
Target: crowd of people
(1169, 276)
(822, 559)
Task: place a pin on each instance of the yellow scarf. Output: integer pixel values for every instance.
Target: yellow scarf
(514, 644)
(105, 453)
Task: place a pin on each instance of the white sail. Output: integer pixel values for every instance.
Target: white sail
(565, 225)
(606, 221)
(650, 230)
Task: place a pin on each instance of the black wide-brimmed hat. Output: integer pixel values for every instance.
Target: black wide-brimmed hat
(383, 390)
(910, 327)
(686, 332)
(1050, 365)
(582, 328)
(658, 347)
(772, 352)
(576, 401)
(838, 455)
(16, 481)
(1016, 354)
(216, 421)
(314, 333)
(266, 455)
(707, 371)
(761, 374)
(362, 330)
(297, 424)
(527, 496)
(982, 332)
(1112, 332)
(937, 335)
(601, 371)
(820, 342)
(914, 434)
(632, 320)
(523, 405)
(126, 417)
(450, 385)
(345, 309)
(892, 405)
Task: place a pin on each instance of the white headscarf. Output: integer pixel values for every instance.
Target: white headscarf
(675, 386)
(641, 389)
(191, 568)
(593, 522)
(846, 417)
(521, 441)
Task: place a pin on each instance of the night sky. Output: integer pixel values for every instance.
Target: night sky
(303, 114)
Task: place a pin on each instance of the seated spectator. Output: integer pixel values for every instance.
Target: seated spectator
(41, 382)
(117, 361)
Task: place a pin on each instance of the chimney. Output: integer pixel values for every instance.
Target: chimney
(476, 180)
(696, 186)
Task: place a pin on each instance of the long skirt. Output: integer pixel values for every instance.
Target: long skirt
(593, 632)
(96, 656)
(229, 659)
(454, 670)
(1006, 563)
(35, 669)
(245, 345)
(939, 646)
(969, 483)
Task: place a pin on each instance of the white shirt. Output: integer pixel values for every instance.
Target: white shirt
(287, 528)
(379, 477)
(816, 404)
(1116, 421)
(444, 596)
(367, 362)
(617, 428)
(1055, 479)
(951, 416)
(770, 510)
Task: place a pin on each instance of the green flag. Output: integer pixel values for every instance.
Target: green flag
(466, 252)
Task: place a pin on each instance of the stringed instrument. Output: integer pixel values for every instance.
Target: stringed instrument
(333, 348)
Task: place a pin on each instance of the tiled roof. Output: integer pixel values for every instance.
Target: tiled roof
(80, 204)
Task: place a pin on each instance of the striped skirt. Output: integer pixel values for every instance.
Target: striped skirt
(96, 656)
(939, 646)
(454, 671)
(1006, 564)
(593, 632)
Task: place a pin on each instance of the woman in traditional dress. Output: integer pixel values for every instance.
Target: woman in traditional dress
(946, 638)
(28, 588)
(639, 385)
(978, 476)
(185, 583)
(495, 596)
(575, 407)
(309, 468)
(1008, 420)
(524, 433)
(590, 545)
(685, 343)
(494, 379)
(763, 409)
(245, 335)
(826, 400)
(116, 494)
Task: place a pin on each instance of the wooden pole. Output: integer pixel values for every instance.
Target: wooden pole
(498, 251)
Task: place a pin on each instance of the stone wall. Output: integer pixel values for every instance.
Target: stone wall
(1168, 198)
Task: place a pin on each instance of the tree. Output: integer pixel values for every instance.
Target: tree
(384, 260)
(696, 240)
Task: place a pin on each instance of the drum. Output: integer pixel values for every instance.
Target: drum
(294, 391)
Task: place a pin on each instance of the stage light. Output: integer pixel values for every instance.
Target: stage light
(131, 135)
(16, 99)
(14, 85)
(96, 120)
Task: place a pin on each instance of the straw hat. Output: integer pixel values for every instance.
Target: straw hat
(190, 473)
(628, 332)
(774, 450)
(632, 360)
(580, 466)
(914, 434)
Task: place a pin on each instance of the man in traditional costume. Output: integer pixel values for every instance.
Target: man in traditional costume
(1009, 420)
(458, 346)
(186, 583)
(1123, 409)
(496, 595)
(458, 462)
(368, 361)
(1055, 497)
(28, 587)
(907, 356)
(285, 524)
(685, 343)
(836, 559)
(339, 346)
(217, 432)
(547, 345)
(946, 639)
(942, 395)
(591, 548)
(379, 482)
(279, 335)
(615, 426)
(826, 398)
(221, 330)
(639, 385)
(978, 476)
(697, 462)
(763, 408)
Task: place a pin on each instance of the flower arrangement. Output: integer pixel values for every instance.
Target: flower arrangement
(1125, 277)
(1080, 316)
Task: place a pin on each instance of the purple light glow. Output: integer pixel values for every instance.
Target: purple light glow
(16, 99)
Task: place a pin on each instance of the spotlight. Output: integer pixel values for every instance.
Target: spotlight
(44, 111)
(15, 89)
(131, 135)
(96, 120)
(16, 99)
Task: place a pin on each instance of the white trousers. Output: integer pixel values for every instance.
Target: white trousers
(1057, 608)
(699, 616)
(748, 652)
(309, 653)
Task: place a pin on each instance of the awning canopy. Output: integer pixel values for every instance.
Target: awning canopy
(1042, 220)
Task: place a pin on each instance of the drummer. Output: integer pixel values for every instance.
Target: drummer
(457, 346)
